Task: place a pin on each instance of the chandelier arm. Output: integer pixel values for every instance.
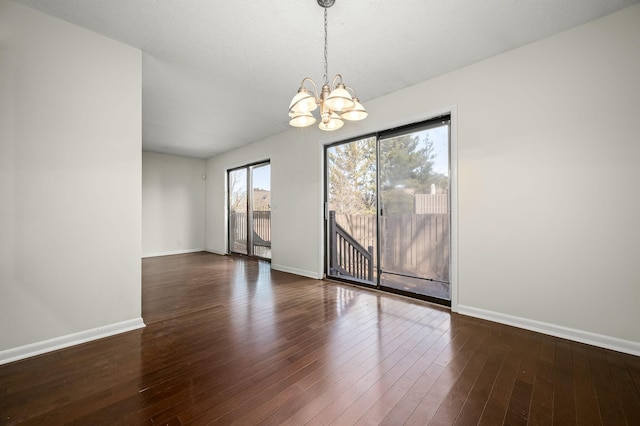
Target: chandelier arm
(315, 88)
(333, 82)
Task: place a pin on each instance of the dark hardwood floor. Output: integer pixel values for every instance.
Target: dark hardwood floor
(230, 341)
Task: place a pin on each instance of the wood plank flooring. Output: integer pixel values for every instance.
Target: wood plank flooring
(228, 341)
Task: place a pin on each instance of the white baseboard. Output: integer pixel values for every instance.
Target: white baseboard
(33, 349)
(296, 271)
(170, 253)
(600, 340)
(219, 253)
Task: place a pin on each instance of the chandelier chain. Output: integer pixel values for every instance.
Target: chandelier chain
(326, 62)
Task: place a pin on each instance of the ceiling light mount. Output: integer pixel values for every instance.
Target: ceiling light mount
(337, 101)
(326, 3)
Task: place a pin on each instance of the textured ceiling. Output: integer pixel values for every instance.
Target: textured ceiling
(217, 75)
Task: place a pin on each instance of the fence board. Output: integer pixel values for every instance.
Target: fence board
(414, 244)
(431, 204)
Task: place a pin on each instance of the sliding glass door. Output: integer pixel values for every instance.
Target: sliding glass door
(414, 210)
(250, 211)
(237, 181)
(260, 205)
(388, 215)
(351, 207)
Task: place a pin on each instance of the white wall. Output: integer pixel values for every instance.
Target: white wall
(70, 168)
(548, 168)
(295, 188)
(172, 204)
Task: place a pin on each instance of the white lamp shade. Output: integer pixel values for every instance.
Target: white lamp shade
(334, 123)
(302, 102)
(302, 120)
(356, 113)
(339, 99)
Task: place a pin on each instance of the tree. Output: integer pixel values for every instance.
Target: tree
(406, 169)
(238, 190)
(406, 162)
(352, 177)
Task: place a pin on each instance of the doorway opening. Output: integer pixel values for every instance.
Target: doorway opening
(249, 209)
(388, 210)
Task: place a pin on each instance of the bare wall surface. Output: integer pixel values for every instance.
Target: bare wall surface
(70, 167)
(295, 188)
(547, 161)
(172, 204)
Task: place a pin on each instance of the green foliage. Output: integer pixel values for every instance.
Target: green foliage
(406, 169)
(406, 162)
(396, 200)
(352, 177)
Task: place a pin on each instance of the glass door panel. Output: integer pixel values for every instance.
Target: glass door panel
(250, 216)
(238, 211)
(414, 211)
(261, 207)
(351, 210)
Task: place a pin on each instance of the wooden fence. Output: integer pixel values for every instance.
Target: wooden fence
(431, 204)
(413, 244)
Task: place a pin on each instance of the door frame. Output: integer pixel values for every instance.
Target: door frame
(249, 205)
(451, 112)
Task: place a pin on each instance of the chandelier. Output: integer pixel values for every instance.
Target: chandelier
(335, 101)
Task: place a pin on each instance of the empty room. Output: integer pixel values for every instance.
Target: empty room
(319, 212)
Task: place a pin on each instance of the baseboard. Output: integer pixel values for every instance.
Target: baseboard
(219, 253)
(33, 349)
(600, 340)
(170, 253)
(296, 271)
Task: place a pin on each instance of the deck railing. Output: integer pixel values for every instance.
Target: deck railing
(261, 228)
(413, 244)
(348, 257)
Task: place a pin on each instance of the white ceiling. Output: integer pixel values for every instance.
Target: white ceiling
(217, 75)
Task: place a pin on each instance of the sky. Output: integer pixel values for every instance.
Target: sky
(440, 137)
(262, 177)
